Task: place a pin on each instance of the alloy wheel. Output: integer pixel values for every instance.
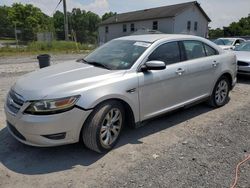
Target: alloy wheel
(111, 127)
(221, 92)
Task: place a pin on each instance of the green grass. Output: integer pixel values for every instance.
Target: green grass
(7, 40)
(46, 47)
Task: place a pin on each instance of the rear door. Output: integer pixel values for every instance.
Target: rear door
(203, 67)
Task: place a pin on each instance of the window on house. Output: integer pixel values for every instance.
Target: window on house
(195, 26)
(155, 25)
(188, 25)
(132, 27)
(124, 27)
(106, 29)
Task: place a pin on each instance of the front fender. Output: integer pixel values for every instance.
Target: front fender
(113, 90)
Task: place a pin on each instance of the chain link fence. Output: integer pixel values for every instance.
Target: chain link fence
(25, 36)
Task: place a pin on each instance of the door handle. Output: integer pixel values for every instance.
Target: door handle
(179, 71)
(215, 64)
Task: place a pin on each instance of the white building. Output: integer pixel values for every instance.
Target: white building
(184, 18)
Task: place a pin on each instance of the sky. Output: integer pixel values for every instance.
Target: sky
(221, 12)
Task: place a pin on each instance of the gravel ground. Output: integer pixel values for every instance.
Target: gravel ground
(195, 147)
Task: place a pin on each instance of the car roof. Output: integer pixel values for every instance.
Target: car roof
(233, 38)
(154, 37)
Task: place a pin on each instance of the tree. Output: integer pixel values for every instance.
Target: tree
(108, 15)
(29, 20)
(58, 20)
(245, 25)
(216, 33)
(6, 28)
(85, 24)
(241, 28)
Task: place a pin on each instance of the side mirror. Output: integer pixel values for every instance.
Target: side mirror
(153, 65)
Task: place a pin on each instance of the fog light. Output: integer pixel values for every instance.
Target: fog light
(57, 136)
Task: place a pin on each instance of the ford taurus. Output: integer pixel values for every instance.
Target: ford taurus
(124, 82)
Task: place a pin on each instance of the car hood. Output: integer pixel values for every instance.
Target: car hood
(61, 80)
(243, 56)
(226, 47)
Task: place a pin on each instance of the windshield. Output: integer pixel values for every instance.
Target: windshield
(224, 41)
(243, 47)
(118, 54)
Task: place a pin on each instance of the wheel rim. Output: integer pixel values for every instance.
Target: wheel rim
(221, 92)
(111, 127)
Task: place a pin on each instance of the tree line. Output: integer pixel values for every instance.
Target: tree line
(29, 20)
(83, 25)
(240, 28)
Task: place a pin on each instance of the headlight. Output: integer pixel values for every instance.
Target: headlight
(46, 107)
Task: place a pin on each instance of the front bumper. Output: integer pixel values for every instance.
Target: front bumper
(33, 129)
(244, 70)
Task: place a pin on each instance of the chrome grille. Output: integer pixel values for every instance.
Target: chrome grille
(14, 102)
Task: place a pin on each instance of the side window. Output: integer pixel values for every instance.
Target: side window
(168, 53)
(210, 51)
(237, 42)
(194, 49)
(241, 41)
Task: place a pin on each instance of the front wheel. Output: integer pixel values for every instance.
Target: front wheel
(102, 129)
(220, 93)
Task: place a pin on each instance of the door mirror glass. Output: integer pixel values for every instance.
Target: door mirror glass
(153, 65)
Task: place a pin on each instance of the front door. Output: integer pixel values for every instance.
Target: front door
(163, 90)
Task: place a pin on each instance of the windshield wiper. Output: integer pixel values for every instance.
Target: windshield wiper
(97, 64)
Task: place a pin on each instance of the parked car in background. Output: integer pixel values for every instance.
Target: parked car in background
(228, 43)
(243, 57)
(122, 83)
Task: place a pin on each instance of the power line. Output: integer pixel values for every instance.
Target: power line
(56, 7)
(66, 27)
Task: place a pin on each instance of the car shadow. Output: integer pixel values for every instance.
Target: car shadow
(243, 79)
(33, 160)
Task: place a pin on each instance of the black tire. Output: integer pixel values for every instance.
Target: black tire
(213, 98)
(91, 132)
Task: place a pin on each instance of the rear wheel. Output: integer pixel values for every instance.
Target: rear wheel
(220, 93)
(102, 129)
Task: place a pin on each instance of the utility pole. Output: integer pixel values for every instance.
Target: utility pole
(16, 35)
(66, 28)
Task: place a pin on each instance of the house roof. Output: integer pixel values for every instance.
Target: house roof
(153, 13)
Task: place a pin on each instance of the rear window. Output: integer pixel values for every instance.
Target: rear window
(210, 51)
(194, 49)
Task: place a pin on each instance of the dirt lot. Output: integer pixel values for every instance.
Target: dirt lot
(195, 147)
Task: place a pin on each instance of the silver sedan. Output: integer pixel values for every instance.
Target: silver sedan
(123, 83)
(229, 43)
(243, 58)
